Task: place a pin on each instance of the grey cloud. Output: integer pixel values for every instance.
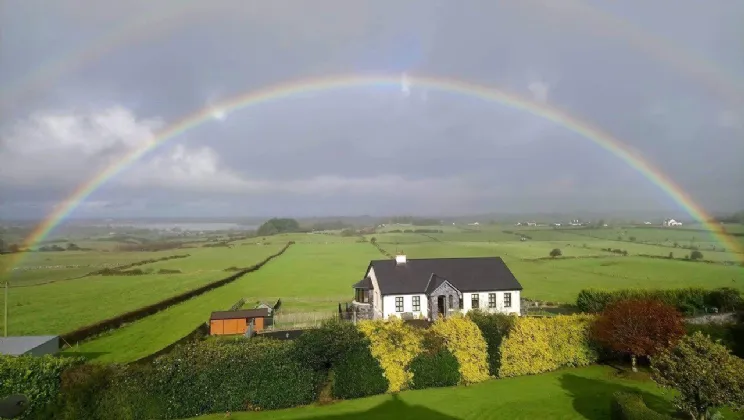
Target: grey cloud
(372, 148)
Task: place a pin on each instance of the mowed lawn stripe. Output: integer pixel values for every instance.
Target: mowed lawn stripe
(61, 307)
(155, 332)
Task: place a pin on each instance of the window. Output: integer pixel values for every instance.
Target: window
(416, 300)
(362, 296)
(474, 300)
(507, 300)
(492, 300)
(399, 304)
(449, 301)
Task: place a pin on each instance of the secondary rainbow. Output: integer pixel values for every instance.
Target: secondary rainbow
(162, 20)
(325, 84)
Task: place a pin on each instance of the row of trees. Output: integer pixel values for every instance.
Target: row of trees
(705, 373)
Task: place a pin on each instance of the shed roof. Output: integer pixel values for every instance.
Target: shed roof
(16, 346)
(241, 314)
(473, 274)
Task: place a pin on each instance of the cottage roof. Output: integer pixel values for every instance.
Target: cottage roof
(241, 314)
(365, 283)
(466, 274)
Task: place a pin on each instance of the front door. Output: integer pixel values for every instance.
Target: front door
(441, 306)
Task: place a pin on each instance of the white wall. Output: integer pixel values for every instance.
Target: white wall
(377, 297)
(483, 302)
(389, 305)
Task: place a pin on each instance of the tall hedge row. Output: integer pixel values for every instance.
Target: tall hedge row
(687, 300)
(394, 344)
(494, 328)
(38, 378)
(464, 340)
(211, 376)
(537, 345)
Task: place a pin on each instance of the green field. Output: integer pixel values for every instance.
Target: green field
(63, 306)
(316, 274)
(579, 393)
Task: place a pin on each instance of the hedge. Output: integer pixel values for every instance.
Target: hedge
(435, 369)
(537, 345)
(394, 344)
(323, 348)
(213, 376)
(38, 378)
(494, 328)
(358, 374)
(687, 300)
(464, 340)
(630, 406)
(117, 321)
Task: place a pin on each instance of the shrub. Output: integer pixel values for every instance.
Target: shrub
(435, 369)
(358, 374)
(394, 344)
(638, 327)
(38, 378)
(323, 348)
(705, 375)
(537, 345)
(555, 252)
(630, 406)
(725, 299)
(686, 300)
(696, 255)
(493, 327)
(464, 340)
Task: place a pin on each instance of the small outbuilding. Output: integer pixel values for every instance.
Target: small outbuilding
(39, 345)
(237, 322)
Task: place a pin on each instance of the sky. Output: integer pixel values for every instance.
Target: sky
(84, 82)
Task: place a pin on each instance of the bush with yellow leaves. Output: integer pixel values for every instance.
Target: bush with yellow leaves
(464, 340)
(394, 344)
(537, 345)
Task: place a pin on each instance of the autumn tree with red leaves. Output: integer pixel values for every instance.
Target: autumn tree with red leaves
(638, 327)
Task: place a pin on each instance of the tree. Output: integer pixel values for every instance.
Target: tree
(696, 255)
(555, 253)
(373, 240)
(276, 225)
(706, 375)
(2, 245)
(638, 327)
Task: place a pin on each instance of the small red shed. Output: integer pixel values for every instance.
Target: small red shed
(236, 322)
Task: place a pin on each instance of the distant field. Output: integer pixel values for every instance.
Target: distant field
(307, 278)
(560, 280)
(66, 305)
(42, 267)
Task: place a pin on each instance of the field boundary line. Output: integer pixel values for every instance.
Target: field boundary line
(99, 327)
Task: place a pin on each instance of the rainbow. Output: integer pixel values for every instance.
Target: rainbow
(323, 84)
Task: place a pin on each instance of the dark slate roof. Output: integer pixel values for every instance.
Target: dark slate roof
(242, 314)
(466, 274)
(365, 283)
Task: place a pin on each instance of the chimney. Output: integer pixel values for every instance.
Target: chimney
(400, 259)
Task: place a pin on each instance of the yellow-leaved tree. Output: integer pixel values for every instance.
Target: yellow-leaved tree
(394, 344)
(464, 340)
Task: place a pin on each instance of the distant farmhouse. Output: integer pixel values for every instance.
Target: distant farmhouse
(430, 288)
(671, 222)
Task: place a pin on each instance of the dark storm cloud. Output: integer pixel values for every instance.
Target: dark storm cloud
(374, 149)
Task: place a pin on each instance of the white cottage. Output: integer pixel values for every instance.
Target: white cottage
(432, 287)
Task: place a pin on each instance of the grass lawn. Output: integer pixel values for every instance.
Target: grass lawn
(63, 306)
(308, 278)
(579, 393)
